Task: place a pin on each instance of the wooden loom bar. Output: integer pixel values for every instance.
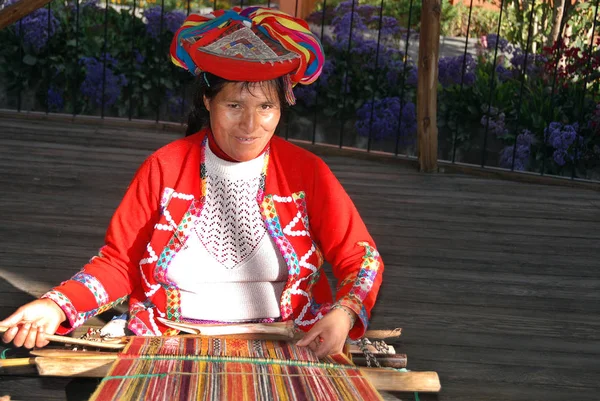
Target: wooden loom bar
(8, 363)
(18, 10)
(283, 329)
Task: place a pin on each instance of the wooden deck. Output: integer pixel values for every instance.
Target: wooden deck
(495, 283)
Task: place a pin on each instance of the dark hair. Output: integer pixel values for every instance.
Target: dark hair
(209, 85)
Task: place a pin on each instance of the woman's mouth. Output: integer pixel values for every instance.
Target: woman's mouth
(245, 140)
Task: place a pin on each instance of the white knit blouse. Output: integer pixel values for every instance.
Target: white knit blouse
(230, 268)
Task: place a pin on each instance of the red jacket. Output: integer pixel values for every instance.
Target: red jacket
(306, 211)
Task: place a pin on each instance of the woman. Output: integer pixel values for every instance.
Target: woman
(230, 223)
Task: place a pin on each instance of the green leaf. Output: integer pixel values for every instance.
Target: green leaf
(29, 59)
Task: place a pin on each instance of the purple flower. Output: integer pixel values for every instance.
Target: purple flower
(342, 26)
(55, 99)
(503, 73)
(522, 153)
(92, 84)
(307, 94)
(344, 7)
(565, 140)
(366, 10)
(35, 32)
(316, 17)
(172, 21)
(364, 47)
(328, 69)
(495, 122)
(386, 116)
(395, 73)
(390, 27)
(450, 70)
(503, 44)
(535, 62)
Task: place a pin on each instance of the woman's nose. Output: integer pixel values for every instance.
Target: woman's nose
(250, 121)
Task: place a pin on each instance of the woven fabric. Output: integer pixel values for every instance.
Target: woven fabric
(196, 368)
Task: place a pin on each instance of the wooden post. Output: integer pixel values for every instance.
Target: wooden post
(18, 10)
(303, 7)
(429, 45)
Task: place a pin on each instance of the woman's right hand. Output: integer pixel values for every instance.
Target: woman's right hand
(27, 326)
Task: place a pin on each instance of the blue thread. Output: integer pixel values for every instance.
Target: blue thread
(416, 396)
(206, 79)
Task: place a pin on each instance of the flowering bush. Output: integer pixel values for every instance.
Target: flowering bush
(565, 140)
(450, 70)
(364, 70)
(101, 84)
(539, 103)
(67, 71)
(380, 119)
(36, 28)
(171, 21)
(521, 153)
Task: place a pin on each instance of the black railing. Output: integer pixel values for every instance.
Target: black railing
(517, 99)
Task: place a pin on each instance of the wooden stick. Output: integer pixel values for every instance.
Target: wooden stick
(383, 334)
(78, 355)
(396, 361)
(392, 380)
(69, 367)
(285, 329)
(5, 363)
(116, 344)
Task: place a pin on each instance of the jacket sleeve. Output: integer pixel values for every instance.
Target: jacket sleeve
(346, 244)
(112, 275)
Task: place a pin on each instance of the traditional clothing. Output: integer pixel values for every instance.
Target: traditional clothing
(299, 203)
(304, 208)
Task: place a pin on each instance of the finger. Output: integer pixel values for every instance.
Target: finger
(21, 336)
(41, 338)
(313, 347)
(309, 337)
(31, 337)
(13, 319)
(321, 352)
(10, 334)
(330, 347)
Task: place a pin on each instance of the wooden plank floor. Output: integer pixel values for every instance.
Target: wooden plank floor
(496, 284)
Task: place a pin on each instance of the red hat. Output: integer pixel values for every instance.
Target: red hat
(254, 44)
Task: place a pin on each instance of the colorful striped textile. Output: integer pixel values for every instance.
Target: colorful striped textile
(253, 44)
(229, 369)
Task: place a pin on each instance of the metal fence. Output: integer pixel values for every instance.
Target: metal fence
(519, 84)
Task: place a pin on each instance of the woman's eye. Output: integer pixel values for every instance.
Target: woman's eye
(234, 105)
(267, 106)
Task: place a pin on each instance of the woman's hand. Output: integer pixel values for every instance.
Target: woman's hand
(329, 334)
(30, 322)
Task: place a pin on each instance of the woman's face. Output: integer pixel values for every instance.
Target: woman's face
(244, 120)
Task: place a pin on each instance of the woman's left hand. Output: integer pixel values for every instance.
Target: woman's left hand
(329, 334)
